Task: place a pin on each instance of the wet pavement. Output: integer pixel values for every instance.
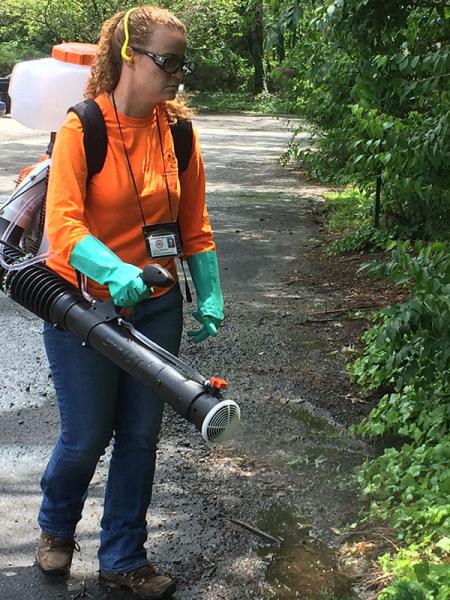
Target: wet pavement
(288, 473)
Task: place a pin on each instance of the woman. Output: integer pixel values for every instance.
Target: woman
(105, 228)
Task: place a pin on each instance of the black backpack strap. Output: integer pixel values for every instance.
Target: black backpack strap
(95, 140)
(96, 143)
(182, 142)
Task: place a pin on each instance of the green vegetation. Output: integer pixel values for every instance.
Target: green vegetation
(376, 89)
(407, 351)
(220, 101)
(351, 216)
(21, 35)
(221, 34)
(404, 590)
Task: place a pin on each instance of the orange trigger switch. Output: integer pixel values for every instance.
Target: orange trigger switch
(218, 383)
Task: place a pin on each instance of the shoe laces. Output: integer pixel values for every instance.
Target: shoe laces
(143, 574)
(62, 543)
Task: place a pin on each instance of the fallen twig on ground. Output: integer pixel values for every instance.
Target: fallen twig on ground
(349, 258)
(256, 531)
(344, 310)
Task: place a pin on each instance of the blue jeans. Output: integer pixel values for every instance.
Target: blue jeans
(99, 401)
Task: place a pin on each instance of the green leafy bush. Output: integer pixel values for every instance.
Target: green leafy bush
(365, 237)
(239, 101)
(417, 578)
(410, 340)
(350, 214)
(23, 33)
(408, 351)
(403, 590)
(374, 83)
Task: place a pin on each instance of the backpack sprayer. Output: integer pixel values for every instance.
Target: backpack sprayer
(23, 277)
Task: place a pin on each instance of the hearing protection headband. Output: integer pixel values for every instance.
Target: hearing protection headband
(126, 51)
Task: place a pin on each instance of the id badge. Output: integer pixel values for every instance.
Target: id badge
(162, 240)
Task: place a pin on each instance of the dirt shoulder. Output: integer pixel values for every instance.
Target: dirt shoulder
(348, 297)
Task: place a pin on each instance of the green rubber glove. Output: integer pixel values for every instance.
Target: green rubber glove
(205, 275)
(95, 260)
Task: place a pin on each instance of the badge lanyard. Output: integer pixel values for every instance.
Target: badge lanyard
(145, 226)
(129, 162)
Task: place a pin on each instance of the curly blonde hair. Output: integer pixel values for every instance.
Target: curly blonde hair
(107, 64)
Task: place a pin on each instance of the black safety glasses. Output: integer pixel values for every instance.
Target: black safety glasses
(170, 64)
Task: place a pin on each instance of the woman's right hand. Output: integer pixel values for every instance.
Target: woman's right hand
(126, 285)
(91, 257)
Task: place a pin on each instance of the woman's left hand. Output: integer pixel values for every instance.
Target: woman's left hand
(210, 327)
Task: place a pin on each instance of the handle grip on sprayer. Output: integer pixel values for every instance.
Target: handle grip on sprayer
(155, 275)
(152, 274)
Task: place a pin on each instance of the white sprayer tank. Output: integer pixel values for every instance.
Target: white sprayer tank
(43, 90)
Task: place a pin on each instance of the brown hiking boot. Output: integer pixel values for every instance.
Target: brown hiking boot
(54, 555)
(144, 581)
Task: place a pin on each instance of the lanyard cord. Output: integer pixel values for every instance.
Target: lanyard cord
(129, 162)
(164, 163)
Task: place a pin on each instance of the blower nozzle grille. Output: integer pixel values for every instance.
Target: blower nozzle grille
(222, 422)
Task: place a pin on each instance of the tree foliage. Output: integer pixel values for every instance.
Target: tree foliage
(217, 37)
(79, 20)
(216, 41)
(21, 35)
(374, 78)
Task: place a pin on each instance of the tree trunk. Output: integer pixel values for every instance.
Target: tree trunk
(280, 49)
(257, 48)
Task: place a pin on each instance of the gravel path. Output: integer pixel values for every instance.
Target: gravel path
(287, 471)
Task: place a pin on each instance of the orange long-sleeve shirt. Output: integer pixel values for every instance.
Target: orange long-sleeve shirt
(106, 206)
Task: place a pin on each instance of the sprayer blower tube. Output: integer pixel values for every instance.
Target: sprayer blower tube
(48, 296)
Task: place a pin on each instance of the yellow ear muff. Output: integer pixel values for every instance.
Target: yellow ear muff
(126, 52)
